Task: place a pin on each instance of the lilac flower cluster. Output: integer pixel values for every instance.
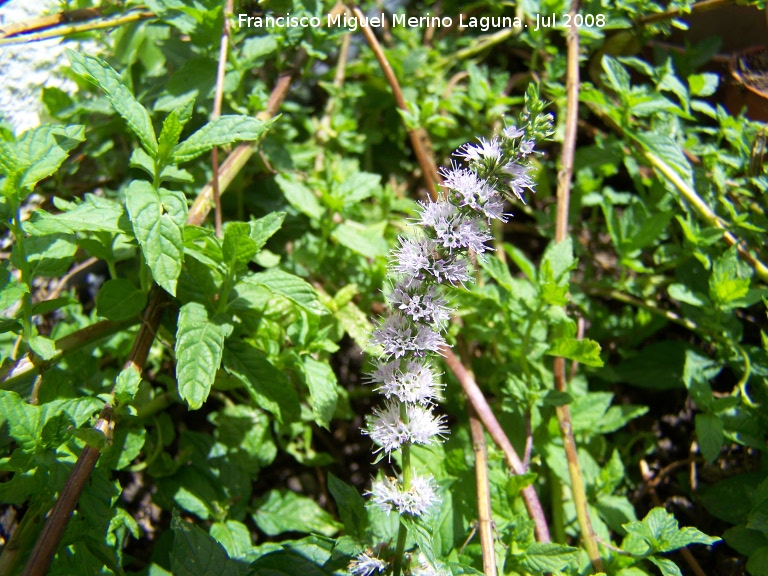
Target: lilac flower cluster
(452, 227)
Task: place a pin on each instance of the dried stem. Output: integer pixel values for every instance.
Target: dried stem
(698, 7)
(418, 136)
(483, 493)
(486, 416)
(561, 233)
(132, 16)
(218, 97)
(45, 22)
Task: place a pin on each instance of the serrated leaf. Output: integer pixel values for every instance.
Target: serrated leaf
(43, 347)
(22, 420)
(158, 218)
(199, 348)
(127, 384)
(667, 150)
(367, 241)
(350, 505)
(94, 214)
(667, 566)
(47, 256)
(585, 351)
(119, 299)
(617, 75)
(497, 270)
(300, 197)
(122, 99)
(358, 187)
(285, 563)
(38, 153)
(171, 131)
(195, 553)
(12, 291)
(659, 529)
(285, 511)
(234, 536)
(264, 228)
(323, 389)
(238, 247)
(267, 385)
(292, 287)
(709, 433)
(218, 132)
(542, 557)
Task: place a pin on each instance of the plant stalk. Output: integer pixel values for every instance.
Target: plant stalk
(564, 178)
(484, 519)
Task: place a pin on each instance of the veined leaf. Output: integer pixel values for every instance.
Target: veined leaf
(93, 215)
(172, 127)
(158, 218)
(585, 351)
(237, 247)
(264, 228)
(199, 347)
(279, 512)
(267, 385)
(292, 287)
(322, 385)
(122, 99)
(218, 132)
(119, 299)
(195, 553)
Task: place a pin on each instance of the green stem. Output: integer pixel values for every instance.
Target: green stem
(26, 299)
(402, 534)
(558, 513)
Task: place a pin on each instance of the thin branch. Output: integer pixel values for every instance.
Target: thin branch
(483, 493)
(45, 22)
(133, 16)
(418, 136)
(698, 7)
(218, 97)
(486, 416)
(561, 233)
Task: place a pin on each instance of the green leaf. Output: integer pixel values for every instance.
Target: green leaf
(238, 247)
(300, 197)
(158, 218)
(357, 187)
(292, 287)
(12, 291)
(195, 553)
(727, 283)
(38, 153)
(542, 557)
(264, 228)
(127, 385)
(124, 102)
(659, 529)
(585, 351)
(22, 420)
(617, 75)
(172, 127)
(234, 536)
(350, 505)
(709, 433)
(667, 566)
(218, 132)
(497, 270)
(47, 256)
(199, 348)
(285, 511)
(667, 150)
(119, 299)
(323, 389)
(267, 385)
(285, 563)
(43, 347)
(95, 214)
(367, 241)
